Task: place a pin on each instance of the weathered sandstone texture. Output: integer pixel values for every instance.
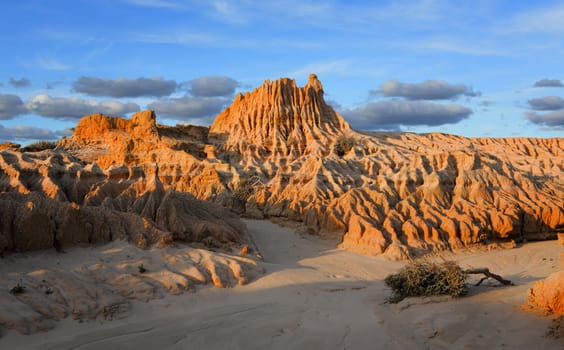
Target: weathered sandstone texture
(50, 199)
(548, 294)
(100, 283)
(281, 151)
(279, 122)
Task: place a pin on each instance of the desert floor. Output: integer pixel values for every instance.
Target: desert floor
(313, 296)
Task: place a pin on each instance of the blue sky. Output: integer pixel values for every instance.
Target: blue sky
(473, 68)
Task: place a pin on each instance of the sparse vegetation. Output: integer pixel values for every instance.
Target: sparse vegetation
(39, 146)
(248, 183)
(141, 268)
(423, 278)
(343, 145)
(18, 289)
(427, 279)
(183, 127)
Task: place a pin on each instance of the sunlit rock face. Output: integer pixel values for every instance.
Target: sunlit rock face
(281, 151)
(280, 120)
(548, 294)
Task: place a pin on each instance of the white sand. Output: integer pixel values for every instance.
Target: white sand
(313, 296)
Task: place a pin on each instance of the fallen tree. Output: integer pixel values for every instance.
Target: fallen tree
(422, 278)
(487, 274)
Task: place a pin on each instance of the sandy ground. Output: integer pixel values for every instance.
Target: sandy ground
(313, 296)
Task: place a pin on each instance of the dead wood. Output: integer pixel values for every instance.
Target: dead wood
(486, 272)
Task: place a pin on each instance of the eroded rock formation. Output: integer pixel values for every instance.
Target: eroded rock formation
(548, 294)
(279, 120)
(281, 151)
(99, 283)
(51, 199)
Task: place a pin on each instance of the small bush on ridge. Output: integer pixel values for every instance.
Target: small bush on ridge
(39, 146)
(343, 145)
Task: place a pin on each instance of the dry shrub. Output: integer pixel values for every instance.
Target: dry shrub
(427, 279)
(343, 145)
(248, 184)
(556, 329)
(39, 146)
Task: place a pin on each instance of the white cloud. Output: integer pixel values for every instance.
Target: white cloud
(552, 119)
(546, 20)
(123, 87)
(426, 90)
(51, 64)
(26, 133)
(18, 83)
(176, 38)
(213, 86)
(228, 11)
(549, 83)
(547, 103)
(11, 106)
(466, 47)
(75, 108)
(189, 108)
(393, 114)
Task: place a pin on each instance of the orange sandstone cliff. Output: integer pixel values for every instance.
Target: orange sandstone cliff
(281, 151)
(279, 120)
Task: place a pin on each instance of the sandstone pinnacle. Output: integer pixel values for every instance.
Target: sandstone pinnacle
(280, 119)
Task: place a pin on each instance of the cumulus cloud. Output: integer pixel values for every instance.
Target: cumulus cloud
(427, 90)
(11, 106)
(122, 87)
(189, 107)
(392, 114)
(549, 83)
(547, 103)
(18, 83)
(552, 119)
(75, 108)
(23, 133)
(213, 86)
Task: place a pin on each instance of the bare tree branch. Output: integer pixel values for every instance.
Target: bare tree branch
(485, 271)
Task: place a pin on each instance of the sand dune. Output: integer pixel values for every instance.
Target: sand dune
(315, 296)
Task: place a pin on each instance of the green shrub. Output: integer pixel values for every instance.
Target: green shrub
(427, 279)
(141, 268)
